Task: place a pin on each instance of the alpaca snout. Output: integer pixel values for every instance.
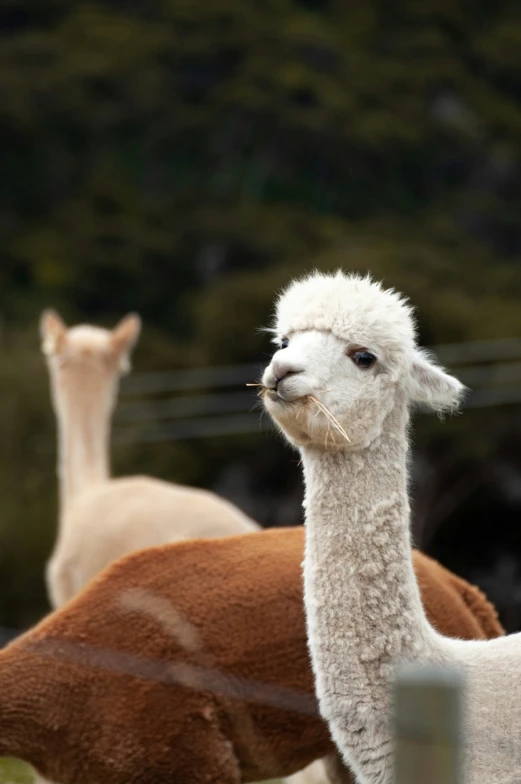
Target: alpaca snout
(269, 380)
(282, 367)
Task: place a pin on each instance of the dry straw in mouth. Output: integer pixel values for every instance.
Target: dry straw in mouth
(318, 403)
(330, 417)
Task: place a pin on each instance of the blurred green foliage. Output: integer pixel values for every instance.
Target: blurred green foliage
(185, 158)
(15, 772)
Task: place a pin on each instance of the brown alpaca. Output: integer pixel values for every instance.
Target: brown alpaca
(101, 519)
(186, 664)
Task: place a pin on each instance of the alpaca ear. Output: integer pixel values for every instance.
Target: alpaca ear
(431, 386)
(124, 337)
(53, 332)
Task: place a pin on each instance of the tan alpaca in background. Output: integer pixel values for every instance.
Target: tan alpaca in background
(100, 518)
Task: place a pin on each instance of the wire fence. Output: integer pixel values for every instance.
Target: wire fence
(427, 719)
(156, 407)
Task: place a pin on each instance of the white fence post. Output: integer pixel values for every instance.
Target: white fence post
(428, 725)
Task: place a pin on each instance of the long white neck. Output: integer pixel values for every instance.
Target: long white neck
(83, 445)
(363, 604)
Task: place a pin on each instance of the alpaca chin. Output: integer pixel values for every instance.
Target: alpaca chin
(291, 418)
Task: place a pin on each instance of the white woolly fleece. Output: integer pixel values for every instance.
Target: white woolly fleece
(363, 605)
(354, 308)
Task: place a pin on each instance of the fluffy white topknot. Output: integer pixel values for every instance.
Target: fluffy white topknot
(354, 308)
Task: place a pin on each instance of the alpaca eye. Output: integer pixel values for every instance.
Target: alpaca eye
(363, 359)
(284, 343)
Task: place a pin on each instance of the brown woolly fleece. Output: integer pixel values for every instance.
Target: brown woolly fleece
(186, 664)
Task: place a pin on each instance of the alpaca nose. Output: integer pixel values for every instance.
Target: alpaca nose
(282, 369)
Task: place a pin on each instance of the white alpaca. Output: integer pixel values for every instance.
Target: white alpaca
(101, 519)
(352, 344)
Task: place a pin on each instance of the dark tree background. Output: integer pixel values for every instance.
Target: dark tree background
(184, 159)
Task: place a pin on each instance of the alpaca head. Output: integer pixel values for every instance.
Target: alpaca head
(351, 344)
(85, 362)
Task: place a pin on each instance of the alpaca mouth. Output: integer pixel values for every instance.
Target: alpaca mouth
(273, 395)
(281, 399)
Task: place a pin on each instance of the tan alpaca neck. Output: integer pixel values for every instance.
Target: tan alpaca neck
(362, 601)
(83, 448)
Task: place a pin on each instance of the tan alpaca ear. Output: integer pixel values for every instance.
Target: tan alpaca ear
(53, 332)
(430, 385)
(124, 337)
